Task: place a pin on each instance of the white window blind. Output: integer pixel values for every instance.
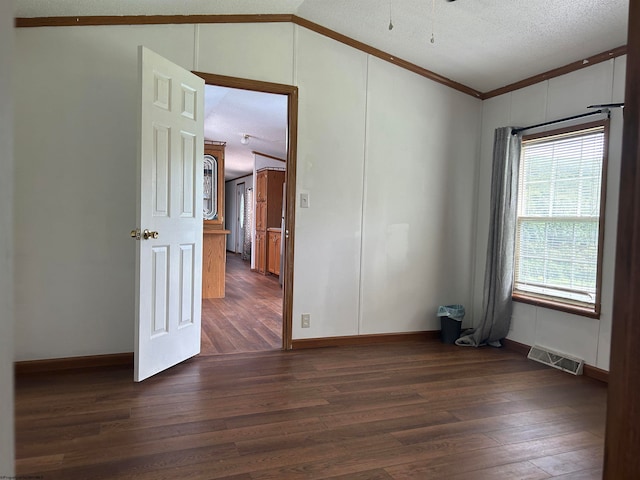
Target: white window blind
(560, 187)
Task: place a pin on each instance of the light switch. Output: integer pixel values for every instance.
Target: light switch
(304, 200)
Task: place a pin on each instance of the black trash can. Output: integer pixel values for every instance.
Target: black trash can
(450, 322)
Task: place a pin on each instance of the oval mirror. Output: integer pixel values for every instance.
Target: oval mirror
(210, 187)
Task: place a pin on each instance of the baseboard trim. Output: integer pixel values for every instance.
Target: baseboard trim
(588, 370)
(364, 339)
(73, 363)
(126, 359)
(517, 347)
(596, 373)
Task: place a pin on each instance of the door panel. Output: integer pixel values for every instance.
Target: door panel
(277, 248)
(160, 170)
(187, 284)
(261, 216)
(159, 290)
(188, 174)
(261, 252)
(170, 176)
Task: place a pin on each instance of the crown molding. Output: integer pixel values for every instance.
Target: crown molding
(556, 72)
(86, 21)
(267, 18)
(29, 22)
(385, 56)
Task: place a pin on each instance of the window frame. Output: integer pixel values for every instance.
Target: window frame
(556, 303)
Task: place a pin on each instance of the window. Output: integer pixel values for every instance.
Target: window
(559, 225)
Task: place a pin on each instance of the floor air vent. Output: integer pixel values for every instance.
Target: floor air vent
(556, 360)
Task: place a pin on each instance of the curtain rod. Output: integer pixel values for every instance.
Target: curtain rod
(516, 131)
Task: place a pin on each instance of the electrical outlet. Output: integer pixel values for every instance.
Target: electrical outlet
(306, 320)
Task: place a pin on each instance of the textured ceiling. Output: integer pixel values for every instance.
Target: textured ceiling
(55, 8)
(231, 113)
(484, 44)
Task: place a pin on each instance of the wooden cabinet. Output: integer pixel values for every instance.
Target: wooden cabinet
(261, 252)
(214, 237)
(269, 191)
(273, 250)
(214, 262)
(268, 215)
(261, 186)
(214, 194)
(261, 216)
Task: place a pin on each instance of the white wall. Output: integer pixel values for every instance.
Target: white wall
(390, 237)
(75, 102)
(556, 98)
(330, 166)
(259, 51)
(419, 191)
(76, 151)
(6, 240)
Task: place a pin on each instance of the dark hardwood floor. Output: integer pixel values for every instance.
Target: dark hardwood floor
(411, 410)
(249, 318)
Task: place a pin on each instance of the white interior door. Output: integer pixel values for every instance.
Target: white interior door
(170, 176)
(240, 217)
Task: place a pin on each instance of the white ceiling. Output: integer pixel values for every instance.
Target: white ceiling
(231, 113)
(483, 44)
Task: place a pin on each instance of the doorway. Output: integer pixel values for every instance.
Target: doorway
(248, 289)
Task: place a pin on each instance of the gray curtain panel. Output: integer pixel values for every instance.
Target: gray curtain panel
(498, 278)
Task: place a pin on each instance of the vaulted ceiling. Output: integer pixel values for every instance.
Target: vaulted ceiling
(482, 44)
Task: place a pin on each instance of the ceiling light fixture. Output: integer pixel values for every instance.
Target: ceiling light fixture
(245, 139)
(433, 18)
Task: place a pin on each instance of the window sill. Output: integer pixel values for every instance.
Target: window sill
(557, 305)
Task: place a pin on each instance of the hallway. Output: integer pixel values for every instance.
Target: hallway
(249, 318)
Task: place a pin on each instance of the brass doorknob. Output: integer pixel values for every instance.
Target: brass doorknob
(147, 234)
